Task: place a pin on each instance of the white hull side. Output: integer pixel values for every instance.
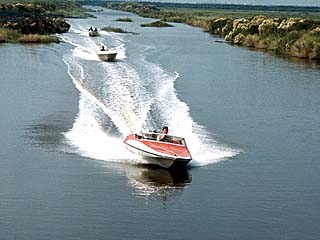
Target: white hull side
(150, 155)
(107, 55)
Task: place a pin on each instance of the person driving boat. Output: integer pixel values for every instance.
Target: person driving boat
(163, 137)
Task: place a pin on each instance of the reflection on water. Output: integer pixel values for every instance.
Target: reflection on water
(301, 61)
(305, 61)
(158, 183)
(148, 182)
(48, 131)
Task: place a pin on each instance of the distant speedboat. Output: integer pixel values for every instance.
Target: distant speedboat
(107, 54)
(164, 154)
(93, 33)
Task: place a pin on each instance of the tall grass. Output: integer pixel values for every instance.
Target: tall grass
(113, 29)
(64, 8)
(8, 35)
(282, 32)
(36, 38)
(306, 47)
(156, 24)
(11, 36)
(124, 20)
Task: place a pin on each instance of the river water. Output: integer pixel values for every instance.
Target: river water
(251, 121)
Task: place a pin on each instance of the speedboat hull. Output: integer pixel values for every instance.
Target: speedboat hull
(107, 55)
(164, 154)
(93, 33)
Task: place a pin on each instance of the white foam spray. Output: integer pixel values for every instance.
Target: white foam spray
(119, 98)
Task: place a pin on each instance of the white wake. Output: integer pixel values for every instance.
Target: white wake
(122, 97)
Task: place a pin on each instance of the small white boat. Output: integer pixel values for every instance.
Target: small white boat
(93, 33)
(165, 154)
(107, 55)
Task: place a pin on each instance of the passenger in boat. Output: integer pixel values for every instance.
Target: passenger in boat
(163, 137)
(102, 48)
(91, 29)
(96, 30)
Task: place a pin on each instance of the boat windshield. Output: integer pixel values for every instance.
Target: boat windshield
(153, 137)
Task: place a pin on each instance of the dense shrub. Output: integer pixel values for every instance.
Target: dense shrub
(252, 40)
(294, 36)
(36, 38)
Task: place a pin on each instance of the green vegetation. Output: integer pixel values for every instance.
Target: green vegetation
(33, 21)
(11, 36)
(294, 32)
(181, 12)
(36, 38)
(8, 35)
(62, 8)
(124, 20)
(293, 36)
(116, 30)
(113, 29)
(156, 24)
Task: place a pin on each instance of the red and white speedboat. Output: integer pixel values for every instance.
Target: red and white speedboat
(174, 152)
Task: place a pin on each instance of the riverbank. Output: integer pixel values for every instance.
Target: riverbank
(36, 21)
(293, 33)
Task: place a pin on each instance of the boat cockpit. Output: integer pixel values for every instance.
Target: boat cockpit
(152, 136)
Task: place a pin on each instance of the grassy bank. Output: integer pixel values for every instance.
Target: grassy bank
(124, 20)
(156, 24)
(116, 30)
(36, 21)
(12, 36)
(62, 8)
(293, 33)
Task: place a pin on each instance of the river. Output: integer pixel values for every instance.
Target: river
(250, 119)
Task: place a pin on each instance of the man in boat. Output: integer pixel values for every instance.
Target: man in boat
(102, 48)
(163, 137)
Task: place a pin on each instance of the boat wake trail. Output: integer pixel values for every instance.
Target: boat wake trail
(125, 96)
